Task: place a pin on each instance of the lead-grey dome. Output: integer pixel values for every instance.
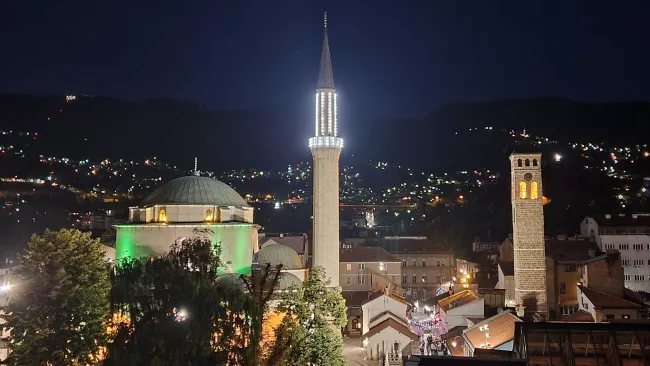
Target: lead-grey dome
(195, 190)
(275, 254)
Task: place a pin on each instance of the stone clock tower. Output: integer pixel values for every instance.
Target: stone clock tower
(528, 233)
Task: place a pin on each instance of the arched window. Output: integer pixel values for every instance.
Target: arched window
(162, 214)
(527, 162)
(533, 191)
(522, 190)
(518, 162)
(534, 162)
(208, 215)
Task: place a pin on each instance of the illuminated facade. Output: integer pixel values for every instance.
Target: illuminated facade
(326, 148)
(176, 210)
(528, 232)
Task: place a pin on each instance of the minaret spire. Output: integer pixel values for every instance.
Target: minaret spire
(325, 76)
(196, 166)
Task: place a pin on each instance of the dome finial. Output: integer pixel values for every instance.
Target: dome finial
(196, 167)
(325, 19)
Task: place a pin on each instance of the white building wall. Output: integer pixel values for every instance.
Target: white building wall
(385, 340)
(457, 316)
(378, 306)
(636, 262)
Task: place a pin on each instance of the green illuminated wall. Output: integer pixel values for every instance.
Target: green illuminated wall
(236, 240)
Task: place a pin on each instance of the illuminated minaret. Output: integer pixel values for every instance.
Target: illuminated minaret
(326, 148)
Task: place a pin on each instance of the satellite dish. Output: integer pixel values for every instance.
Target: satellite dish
(499, 310)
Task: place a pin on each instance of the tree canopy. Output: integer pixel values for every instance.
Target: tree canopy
(59, 301)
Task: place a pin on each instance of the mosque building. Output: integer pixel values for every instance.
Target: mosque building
(179, 208)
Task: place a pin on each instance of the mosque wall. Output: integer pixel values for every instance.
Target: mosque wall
(237, 241)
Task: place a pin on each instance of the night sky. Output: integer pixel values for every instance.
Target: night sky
(390, 58)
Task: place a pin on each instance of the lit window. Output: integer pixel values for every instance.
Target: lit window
(533, 191)
(208, 215)
(382, 266)
(162, 214)
(522, 190)
(348, 266)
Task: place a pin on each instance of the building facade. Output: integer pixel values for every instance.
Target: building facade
(326, 148)
(369, 269)
(528, 232)
(631, 236)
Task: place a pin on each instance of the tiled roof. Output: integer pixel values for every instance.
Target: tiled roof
(501, 328)
(366, 254)
(357, 298)
(458, 299)
(602, 300)
(475, 320)
(399, 326)
(580, 316)
(570, 250)
(295, 242)
(385, 313)
(410, 245)
(508, 268)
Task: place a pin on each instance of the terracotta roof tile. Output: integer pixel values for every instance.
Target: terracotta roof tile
(570, 250)
(603, 300)
(393, 324)
(458, 299)
(501, 328)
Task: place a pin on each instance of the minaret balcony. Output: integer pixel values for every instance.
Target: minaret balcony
(325, 141)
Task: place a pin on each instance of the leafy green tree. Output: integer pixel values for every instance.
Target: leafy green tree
(175, 311)
(310, 331)
(59, 302)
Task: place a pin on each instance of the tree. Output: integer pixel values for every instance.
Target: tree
(59, 301)
(310, 331)
(178, 313)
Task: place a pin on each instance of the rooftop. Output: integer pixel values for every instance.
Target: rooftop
(195, 190)
(295, 242)
(501, 329)
(458, 299)
(571, 250)
(602, 300)
(634, 220)
(580, 316)
(410, 244)
(397, 325)
(366, 254)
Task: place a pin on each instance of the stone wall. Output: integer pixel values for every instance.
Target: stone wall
(606, 275)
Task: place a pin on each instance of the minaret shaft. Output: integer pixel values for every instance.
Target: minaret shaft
(326, 148)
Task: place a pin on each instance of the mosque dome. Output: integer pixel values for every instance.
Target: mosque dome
(287, 280)
(231, 281)
(279, 254)
(195, 190)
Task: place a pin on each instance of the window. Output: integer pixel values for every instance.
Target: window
(162, 214)
(361, 266)
(382, 266)
(348, 266)
(624, 247)
(609, 246)
(533, 191)
(355, 324)
(637, 246)
(361, 280)
(403, 278)
(569, 268)
(527, 162)
(568, 309)
(404, 263)
(627, 277)
(424, 278)
(415, 278)
(522, 190)
(625, 262)
(563, 288)
(638, 262)
(626, 317)
(208, 215)
(609, 316)
(519, 162)
(438, 279)
(442, 263)
(534, 162)
(438, 263)
(424, 263)
(413, 263)
(348, 280)
(639, 277)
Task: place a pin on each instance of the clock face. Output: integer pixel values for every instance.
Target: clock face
(528, 177)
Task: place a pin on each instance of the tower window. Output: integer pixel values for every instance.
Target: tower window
(533, 191)
(162, 214)
(527, 162)
(519, 162)
(534, 162)
(522, 190)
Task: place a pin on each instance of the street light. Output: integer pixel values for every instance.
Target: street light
(5, 288)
